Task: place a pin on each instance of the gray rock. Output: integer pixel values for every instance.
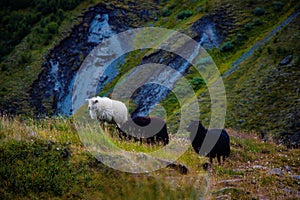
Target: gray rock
(241, 121)
(32, 134)
(296, 177)
(286, 60)
(275, 171)
(287, 190)
(295, 139)
(258, 167)
(287, 168)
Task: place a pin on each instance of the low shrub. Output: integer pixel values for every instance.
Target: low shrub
(184, 14)
(248, 26)
(52, 27)
(277, 6)
(197, 83)
(166, 12)
(259, 11)
(25, 58)
(254, 22)
(257, 22)
(227, 46)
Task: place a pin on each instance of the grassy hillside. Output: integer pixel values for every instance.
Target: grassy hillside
(46, 25)
(23, 51)
(256, 170)
(263, 95)
(248, 27)
(47, 159)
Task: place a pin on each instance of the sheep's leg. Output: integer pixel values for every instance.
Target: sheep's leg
(166, 141)
(219, 159)
(137, 139)
(122, 135)
(152, 140)
(129, 137)
(106, 127)
(140, 135)
(210, 160)
(148, 140)
(101, 125)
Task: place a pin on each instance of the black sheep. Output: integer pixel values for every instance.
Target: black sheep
(152, 129)
(199, 132)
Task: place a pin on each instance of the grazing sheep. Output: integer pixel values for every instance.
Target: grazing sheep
(153, 129)
(108, 110)
(221, 148)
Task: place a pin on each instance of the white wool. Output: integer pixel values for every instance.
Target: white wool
(106, 109)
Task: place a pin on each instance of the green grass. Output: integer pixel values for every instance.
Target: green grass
(16, 81)
(241, 37)
(54, 163)
(49, 159)
(260, 94)
(23, 64)
(245, 174)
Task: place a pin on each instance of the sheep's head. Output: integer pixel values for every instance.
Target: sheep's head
(92, 104)
(196, 128)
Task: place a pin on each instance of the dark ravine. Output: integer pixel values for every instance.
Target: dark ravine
(51, 93)
(209, 31)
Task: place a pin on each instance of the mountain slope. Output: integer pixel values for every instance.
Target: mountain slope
(263, 93)
(45, 158)
(253, 103)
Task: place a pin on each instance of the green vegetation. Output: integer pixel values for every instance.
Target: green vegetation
(46, 159)
(248, 31)
(277, 6)
(21, 17)
(23, 52)
(259, 11)
(197, 83)
(227, 46)
(165, 12)
(261, 97)
(184, 14)
(248, 169)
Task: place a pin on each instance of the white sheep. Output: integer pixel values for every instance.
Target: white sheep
(108, 110)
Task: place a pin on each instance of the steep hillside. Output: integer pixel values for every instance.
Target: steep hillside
(29, 30)
(43, 44)
(47, 159)
(263, 94)
(256, 170)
